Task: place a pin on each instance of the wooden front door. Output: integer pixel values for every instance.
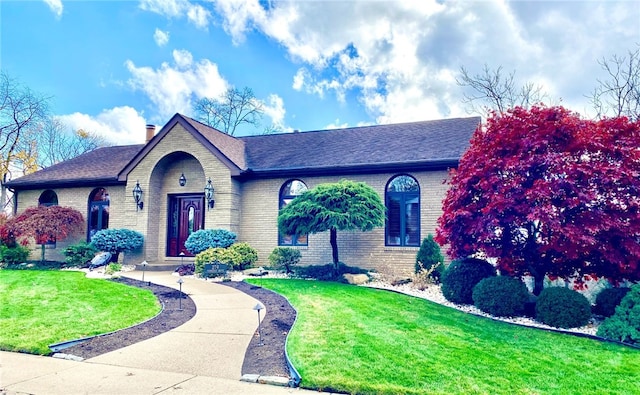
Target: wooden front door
(186, 215)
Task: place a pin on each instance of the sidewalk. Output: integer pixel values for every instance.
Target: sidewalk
(203, 356)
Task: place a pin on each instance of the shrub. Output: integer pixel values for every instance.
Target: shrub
(14, 255)
(562, 308)
(624, 325)
(284, 258)
(226, 256)
(113, 268)
(461, 276)
(203, 239)
(327, 272)
(501, 296)
(429, 259)
(77, 255)
(608, 299)
(248, 255)
(116, 241)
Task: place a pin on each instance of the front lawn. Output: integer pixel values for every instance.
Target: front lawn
(367, 341)
(38, 308)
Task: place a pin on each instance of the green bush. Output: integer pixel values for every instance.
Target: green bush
(203, 239)
(327, 272)
(226, 256)
(14, 255)
(77, 255)
(116, 241)
(429, 258)
(608, 299)
(624, 325)
(501, 296)
(461, 276)
(113, 268)
(284, 258)
(248, 255)
(562, 308)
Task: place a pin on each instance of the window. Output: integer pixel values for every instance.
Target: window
(402, 199)
(98, 211)
(48, 198)
(288, 192)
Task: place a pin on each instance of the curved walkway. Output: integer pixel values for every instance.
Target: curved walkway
(203, 356)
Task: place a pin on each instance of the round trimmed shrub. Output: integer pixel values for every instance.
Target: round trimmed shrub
(284, 258)
(461, 276)
(608, 299)
(247, 255)
(116, 241)
(624, 325)
(203, 239)
(501, 296)
(562, 308)
(226, 256)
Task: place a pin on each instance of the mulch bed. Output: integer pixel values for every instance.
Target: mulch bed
(266, 359)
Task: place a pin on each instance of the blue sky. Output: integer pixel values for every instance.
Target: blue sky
(113, 66)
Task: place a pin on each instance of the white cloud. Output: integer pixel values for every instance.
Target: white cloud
(402, 58)
(274, 108)
(119, 125)
(337, 125)
(173, 87)
(195, 13)
(55, 6)
(161, 38)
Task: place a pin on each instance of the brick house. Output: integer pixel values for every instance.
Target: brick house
(252, 178)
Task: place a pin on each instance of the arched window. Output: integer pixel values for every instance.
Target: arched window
(288, 192)
(98, 211)
(402, 198)
(48, 198)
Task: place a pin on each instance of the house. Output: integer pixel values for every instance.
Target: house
(250, 179)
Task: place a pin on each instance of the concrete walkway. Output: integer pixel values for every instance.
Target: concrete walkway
(203, 356)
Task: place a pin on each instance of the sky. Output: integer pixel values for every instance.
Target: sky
(111, 67)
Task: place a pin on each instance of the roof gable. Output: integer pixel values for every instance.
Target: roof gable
(227, 149)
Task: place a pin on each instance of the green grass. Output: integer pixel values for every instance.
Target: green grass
(38, 308)
(366, 341)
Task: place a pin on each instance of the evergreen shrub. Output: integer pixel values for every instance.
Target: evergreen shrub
(608, 299)
(624, 325)
(14, 255)
(77, 255)
(116, 241)
(203, 239)
(501, 296)
(284, 258)
(248, 255)
(562, 308)
(429, 258)
(461, 276)
(226, 256)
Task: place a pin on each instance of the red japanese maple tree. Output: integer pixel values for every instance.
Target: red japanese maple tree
(45, 224)
(548, 193)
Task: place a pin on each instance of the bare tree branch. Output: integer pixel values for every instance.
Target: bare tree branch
(619, 93)
(231, 110)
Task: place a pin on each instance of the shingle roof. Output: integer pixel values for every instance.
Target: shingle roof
(415, 145)
(100, 166)
(426, 142)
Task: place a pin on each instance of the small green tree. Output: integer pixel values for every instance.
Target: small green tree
(345, 205)
(284, 257)
(116, 241)
(429, 257)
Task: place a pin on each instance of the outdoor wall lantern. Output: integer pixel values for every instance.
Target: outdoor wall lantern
(137, 196)
(182, 180)
(208, 194)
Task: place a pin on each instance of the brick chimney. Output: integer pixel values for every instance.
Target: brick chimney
(151, 131)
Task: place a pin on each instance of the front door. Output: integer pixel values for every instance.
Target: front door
(186, 215)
